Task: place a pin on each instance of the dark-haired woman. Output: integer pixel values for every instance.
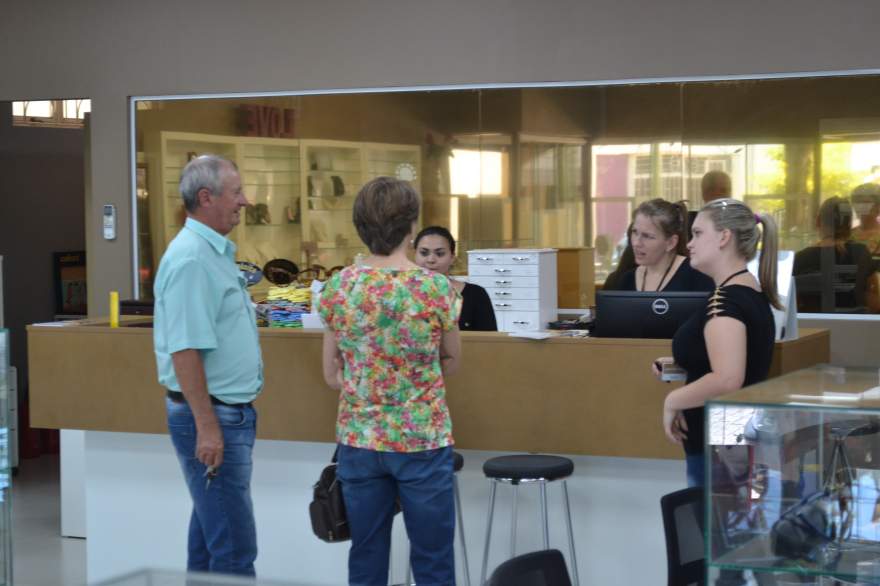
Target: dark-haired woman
(658, 238)
(435, 250)
(835, 247)
(391, 339)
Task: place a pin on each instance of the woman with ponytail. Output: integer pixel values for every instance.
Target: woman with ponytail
(730, 344)
(658, 238)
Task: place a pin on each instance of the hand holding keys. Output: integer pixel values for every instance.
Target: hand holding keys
(210, 474)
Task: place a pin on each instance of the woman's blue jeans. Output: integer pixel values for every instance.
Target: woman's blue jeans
(222, 533)
(696, 469)
(371, 484)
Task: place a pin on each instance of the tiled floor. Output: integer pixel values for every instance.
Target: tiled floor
(40, 556)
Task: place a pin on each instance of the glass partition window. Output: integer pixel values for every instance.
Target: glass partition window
(551, 197)
(761, 175)
(534, 167)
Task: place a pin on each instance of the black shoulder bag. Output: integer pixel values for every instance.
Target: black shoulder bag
(815, 528)
(327, 509)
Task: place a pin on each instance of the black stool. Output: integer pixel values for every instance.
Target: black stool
(457, 464)
(527, 468)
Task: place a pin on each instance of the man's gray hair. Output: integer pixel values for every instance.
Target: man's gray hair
(203, 172)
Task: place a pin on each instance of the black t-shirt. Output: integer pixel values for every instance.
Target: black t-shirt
(477, 314)
(685, 278)
(689, 345)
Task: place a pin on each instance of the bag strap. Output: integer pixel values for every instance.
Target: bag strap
(335, 457)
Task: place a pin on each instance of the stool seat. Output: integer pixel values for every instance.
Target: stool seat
(457, 461)
(528, 467)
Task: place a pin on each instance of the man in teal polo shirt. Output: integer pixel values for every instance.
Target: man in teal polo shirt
(208, 358)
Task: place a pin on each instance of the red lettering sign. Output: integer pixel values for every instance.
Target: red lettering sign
(268, 121)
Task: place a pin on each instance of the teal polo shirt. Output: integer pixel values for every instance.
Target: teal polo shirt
(202, 303)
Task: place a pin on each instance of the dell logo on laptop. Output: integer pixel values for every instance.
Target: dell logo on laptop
(660, 306)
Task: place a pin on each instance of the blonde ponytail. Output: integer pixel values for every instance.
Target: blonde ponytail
(767, 263)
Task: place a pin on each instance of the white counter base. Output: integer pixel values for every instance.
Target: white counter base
(137, 512)
(73, 483)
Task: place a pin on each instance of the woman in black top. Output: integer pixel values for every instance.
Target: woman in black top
(730, 344)
(625, 264)
(835, 247)
(658, 240)
(435, 250)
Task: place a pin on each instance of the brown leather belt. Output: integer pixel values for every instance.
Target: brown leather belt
(179, 398)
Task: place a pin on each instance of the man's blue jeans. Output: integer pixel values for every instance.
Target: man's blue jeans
(222, 533)
(371, 483)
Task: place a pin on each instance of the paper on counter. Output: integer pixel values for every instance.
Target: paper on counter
(533, 335)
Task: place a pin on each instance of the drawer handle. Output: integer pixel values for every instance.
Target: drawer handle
(484, 258)
(521, 323)
(503, 282)
(501, 293)
(502, 270)
(502, 305)
(520, 258)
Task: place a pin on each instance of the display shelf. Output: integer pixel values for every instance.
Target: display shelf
(793, 470)
(279, 176)
(327, 216)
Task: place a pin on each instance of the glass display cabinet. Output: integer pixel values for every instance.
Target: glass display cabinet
(5, 486)
(793, 470)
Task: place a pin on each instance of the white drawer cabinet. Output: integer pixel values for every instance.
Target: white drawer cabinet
(521, 284)
(506, 282)
(504, 270)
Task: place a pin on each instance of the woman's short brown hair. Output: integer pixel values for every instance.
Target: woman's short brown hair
(384, 211)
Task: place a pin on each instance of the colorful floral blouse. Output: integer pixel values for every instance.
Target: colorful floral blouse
(388, 324)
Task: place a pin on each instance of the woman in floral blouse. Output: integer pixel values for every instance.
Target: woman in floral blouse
(391, 339)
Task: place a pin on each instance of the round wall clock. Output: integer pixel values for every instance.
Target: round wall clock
(406, 172)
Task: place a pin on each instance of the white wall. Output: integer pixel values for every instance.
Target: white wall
(138, 510)
(108, 50)
(855, 341)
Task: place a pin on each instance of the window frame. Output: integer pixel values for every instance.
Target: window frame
(56, 120)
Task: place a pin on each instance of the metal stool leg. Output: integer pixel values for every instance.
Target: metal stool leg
(574, 566)
(464, 558)
(513, 521)
(544, 523)
(492, 486)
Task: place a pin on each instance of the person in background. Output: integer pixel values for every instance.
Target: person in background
(208, 358)
(658, 242)
(834, 247)
(435, 250)
(391, 340)
(626, 264)
(729, 345)
(866, 203)
(714, 185)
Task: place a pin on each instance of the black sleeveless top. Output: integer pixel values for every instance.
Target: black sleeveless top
(685, 278)
(743, 304)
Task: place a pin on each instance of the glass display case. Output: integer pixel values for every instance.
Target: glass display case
(5, 486)
(794, 476)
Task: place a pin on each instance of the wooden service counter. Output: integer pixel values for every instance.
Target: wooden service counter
(590, 396)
